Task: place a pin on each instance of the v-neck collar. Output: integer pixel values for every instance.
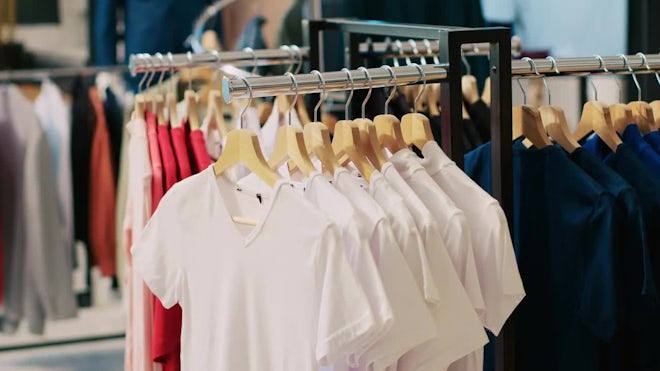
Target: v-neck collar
(227, 215)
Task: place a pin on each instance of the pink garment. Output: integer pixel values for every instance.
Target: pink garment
(166, 341)
(157, 184)
(181, 151)
(139, 325)
(202, 158)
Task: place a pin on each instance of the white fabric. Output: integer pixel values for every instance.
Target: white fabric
(460, 331)
(451, 220)
(494, 256)
(333, 204)
(55, 117)
(138, 210)
(413, 323)
(278, 296)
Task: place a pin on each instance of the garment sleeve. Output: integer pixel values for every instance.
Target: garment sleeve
(345, 318)
(157, 254)
(598, 304)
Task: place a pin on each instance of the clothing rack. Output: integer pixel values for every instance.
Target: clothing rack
(308, 83)
(639, 63)
(42, 73)
(451, 42)
(426, 48)
(143, 62)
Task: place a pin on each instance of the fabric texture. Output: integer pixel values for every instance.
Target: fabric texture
(102, 193)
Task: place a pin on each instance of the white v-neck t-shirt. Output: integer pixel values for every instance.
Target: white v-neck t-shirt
(413, 324)
(333, 204)
(278, 296)
(460, 331)
(451, 220)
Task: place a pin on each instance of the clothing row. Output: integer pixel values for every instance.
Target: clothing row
(57, 206)
(586, 240)
(400, 268)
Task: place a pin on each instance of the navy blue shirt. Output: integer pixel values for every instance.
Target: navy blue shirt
(635, 345)
(633, 138)
(653, 139)
(562, 236)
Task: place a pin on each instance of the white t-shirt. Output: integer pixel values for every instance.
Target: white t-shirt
(333, 204)
(451, 220)
(277, 296)
(459, 328)
(498, 274)
(413, 324)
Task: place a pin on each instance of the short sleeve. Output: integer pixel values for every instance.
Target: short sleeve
(157, 256)
(345, 318)
(598, 304)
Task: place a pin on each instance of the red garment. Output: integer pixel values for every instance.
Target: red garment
(157, 184)
(167, 156)
(102, 237)
(202, 158)
(181, 152)
(166, 339)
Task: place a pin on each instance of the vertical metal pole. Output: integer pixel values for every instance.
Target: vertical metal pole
(452, 97)
(502, 165)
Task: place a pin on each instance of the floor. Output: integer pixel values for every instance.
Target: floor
(107, 355)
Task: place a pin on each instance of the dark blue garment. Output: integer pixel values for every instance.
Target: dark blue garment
(636, 343)
(633, 138)
(562, 236)
(653, 139)
(114, 117)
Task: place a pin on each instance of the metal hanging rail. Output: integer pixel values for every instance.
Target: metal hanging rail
(427, 48)
(42, 73)
(140, 63)
(638, 63)
(233, 88)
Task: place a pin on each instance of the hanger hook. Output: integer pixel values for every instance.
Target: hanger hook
(555, 68)
(323, 93)
(171, 60)
(394, 85)
(249, 89)
(247, 49)
(616, 81)
(423, 78)
(626, 64)
(189, 58)
(645, 62)
(144, 76)
(601, 65)
(657, 77)
(294, 82)
(299, 57)
(468, 68)
(153, 72)
(350, 95)
(287, 49)
(369, 81)
(545, 82)
(162, 73)
(415, 50)
(399, 48)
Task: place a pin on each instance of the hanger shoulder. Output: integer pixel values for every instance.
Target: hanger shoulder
(369, 142)
(485, 96)
(159, 109)
(388, 131)
(170, 102)
(621, 116)
(469, 88)
(592, 112)
(655, 106)
(191, 102)
(346, 142)
(643, 115)
(554, 123)
(532, 127)
(317, 141)
(416, 129)
(606, 132)
(290, 145)
(140, 108)
(242, 146)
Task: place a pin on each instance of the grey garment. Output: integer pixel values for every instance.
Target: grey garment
(37, 276)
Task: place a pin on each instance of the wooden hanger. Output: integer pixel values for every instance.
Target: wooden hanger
(346, 143)
(596, 117)
(621, 116)
(242, 147)
(527, 119)
(469, 88)
(642, 115)
(554, 119)
(368, 136)
(415, 127)
(655, 106)
(215, 113)
(554, 122)
(317, 136)
(290, 142)
(388, 127)
(485, 95)
(191, 103)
